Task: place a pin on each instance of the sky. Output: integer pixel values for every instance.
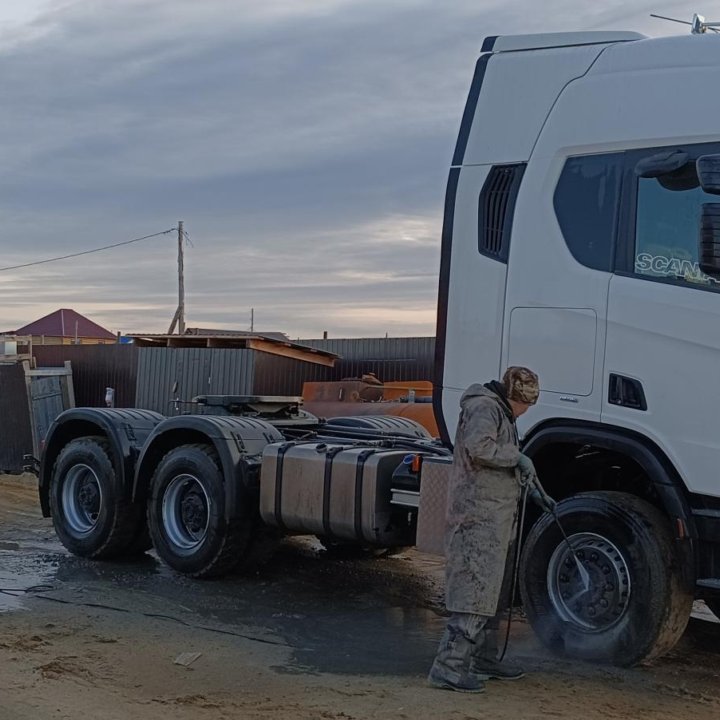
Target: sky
(304, 143)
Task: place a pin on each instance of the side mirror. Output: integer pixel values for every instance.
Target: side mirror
(708, 170)
(672, 169)
(661, 164)
(710, 240)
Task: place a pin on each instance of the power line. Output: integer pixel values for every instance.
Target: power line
(87, 252)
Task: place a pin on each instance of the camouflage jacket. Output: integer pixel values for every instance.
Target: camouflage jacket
(482, 502)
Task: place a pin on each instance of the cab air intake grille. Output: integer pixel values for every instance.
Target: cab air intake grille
(496, 208)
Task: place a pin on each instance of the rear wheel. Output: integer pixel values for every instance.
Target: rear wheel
(91, 514)
(629, 604)
(186, 514)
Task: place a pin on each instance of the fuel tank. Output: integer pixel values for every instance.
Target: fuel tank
(333, 490)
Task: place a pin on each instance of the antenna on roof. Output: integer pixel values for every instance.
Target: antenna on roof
(698, 26)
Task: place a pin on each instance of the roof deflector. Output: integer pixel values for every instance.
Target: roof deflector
(513, 43)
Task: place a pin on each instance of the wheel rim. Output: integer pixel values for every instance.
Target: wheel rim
(185, 512)
(604, 602)
(81, 499)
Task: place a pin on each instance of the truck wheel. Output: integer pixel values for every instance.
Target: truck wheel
(636, 606)
(91, 516)
(186, 514)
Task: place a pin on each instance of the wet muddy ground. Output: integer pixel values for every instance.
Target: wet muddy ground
(309, 637)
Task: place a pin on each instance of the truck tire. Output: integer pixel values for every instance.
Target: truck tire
(91, 515)
(387, 424)
(186, 514)
(637, 605)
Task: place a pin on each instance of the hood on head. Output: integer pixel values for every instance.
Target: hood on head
(493, 390)
(476, 390)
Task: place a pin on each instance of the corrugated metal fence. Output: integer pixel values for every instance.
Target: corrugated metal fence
(14, 418)
(197, 371)
(95, 367)
(144, 377)
(285, 376)
(391, 359)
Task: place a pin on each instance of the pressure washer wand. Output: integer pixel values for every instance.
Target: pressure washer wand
(532, 489)
(546, 503)
(584, 575)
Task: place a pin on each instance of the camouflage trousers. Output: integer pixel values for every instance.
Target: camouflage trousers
(467, 638)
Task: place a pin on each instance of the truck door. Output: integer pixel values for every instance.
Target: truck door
(663, 341)
(559, 272)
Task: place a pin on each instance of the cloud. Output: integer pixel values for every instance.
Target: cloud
(304, 143)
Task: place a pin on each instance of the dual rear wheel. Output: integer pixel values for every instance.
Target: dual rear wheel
(185, 519)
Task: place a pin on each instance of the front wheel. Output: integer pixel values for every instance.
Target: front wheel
(629, 605)
(186, 514)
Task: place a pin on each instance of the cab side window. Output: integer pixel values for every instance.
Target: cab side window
(586, 203)
(667, 226)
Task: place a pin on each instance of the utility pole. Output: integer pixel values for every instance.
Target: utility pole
(181, 279)
(252, 319)
(179, 317)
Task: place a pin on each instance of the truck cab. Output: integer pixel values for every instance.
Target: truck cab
(579, 240)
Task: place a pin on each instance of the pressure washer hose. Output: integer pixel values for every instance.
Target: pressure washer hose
(516, 566)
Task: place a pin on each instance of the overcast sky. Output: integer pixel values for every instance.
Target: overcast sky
(305, 144)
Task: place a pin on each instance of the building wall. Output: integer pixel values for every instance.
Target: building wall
(59, 340)
(275, 375)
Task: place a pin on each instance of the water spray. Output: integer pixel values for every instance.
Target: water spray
(550, 506)
(533, 487)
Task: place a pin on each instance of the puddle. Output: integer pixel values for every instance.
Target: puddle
(18, 575)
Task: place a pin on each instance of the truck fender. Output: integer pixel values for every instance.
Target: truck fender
(666, 480)
(644, 452)
(238, 442)
(125, 430)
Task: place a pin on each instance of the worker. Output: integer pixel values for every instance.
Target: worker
(483, 497)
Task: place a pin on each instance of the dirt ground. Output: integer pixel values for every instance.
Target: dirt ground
(310, 637)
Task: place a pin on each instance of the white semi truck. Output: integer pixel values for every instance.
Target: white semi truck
(581, 238)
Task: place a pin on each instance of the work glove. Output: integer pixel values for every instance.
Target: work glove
(537, 494)
(526, 467)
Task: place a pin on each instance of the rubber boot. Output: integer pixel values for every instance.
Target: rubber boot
(484, 662)
(451, 667)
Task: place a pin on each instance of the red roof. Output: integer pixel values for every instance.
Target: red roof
(66, 323)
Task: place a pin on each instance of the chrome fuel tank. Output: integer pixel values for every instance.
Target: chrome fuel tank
(332, 490)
